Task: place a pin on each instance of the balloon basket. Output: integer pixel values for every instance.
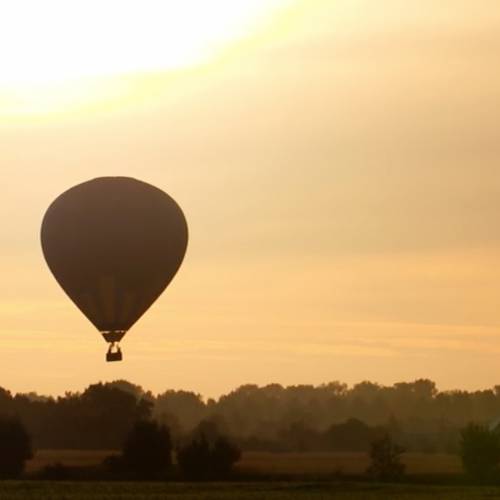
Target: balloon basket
(114, 353)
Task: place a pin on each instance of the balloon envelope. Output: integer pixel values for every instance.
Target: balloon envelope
(114, 244)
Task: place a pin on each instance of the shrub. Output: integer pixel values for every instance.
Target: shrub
(385, 458)
(208, 455)
(194, 459)
(15, 447)
(147, 452)
(224, 455)
(54, 472)
(480, 451)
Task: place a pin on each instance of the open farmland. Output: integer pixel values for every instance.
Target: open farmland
(70, 458)
(328, 464)
(276, 464)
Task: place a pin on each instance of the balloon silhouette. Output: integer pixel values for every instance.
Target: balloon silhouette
(114, 244)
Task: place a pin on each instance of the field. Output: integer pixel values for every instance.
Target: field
(71, 458)
(330, 464)
(278, 464)
(238, 491)
(290, 476)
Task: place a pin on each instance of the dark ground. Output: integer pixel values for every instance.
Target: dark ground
(245, 491)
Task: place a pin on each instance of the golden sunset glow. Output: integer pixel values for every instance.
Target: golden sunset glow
(59, 52)
(62, 40)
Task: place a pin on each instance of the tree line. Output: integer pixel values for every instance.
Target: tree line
(147, 453)
(328, 417)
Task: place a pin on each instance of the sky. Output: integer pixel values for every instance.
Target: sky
(337, 162)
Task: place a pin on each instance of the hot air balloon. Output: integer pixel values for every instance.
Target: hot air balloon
(114, 244)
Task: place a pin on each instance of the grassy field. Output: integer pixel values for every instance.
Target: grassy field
(328, 464)
(237, 491)
(277, 464)
(70, 458)
(301, 468)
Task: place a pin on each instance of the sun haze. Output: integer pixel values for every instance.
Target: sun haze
(57, 52)
(55, 40)
(337, 163)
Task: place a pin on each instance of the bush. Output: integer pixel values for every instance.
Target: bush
(54, 472)
(194, 459)
(207, 455)
(352, 435)
(480, 451)
(15, 447)
(224, 455)
(386, 460)
(147, 452)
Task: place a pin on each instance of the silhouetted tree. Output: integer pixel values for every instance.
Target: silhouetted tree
(352, 435)
(207, 455)
(15, 447)
(480, 451)
(186, 407)
(126, 386)
(147, 452)
(194, 459)
(99, 418)
(385, 458)
(272, 417)
(300, 437)
(55, 472)
(5, 399)
(224, 455)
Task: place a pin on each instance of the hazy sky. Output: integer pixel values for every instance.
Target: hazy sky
(340, 172)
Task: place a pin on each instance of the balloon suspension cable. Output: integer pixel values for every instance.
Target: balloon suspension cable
(114, 352)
